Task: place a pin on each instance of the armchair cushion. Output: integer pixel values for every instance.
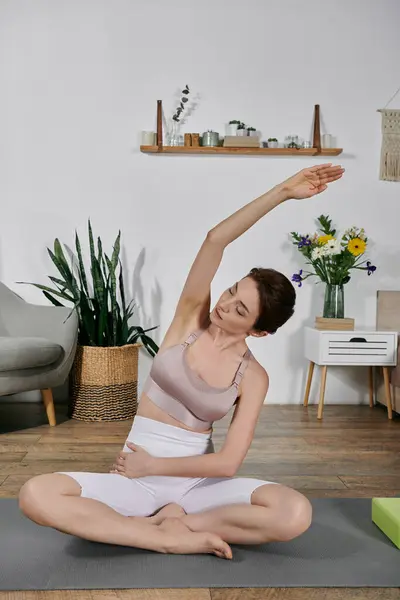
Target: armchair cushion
(18, 353)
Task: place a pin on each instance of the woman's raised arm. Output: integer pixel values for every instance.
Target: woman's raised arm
(195, 296)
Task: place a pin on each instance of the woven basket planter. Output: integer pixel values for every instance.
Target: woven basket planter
(103, 383)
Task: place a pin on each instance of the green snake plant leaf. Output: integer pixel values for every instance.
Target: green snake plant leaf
(141, 331)
(121, 331)
(99, 250)
(147, 342)
(60, 283)
(140, 334)
(95, 269)
(150, 329)
(52, 300)
(82, 272)
(99, 283)
(112, 322)
(71, 313)
(150, 345)
(102, 329)
(116, 251)
(127, 314)
(114, 263)
(104, 268)
(45, 288)
(69, 276)
(113, 295)
(64, 273)
(88, 299)
(126, 329)
(121, 288)
(91, 242)
(87, 318)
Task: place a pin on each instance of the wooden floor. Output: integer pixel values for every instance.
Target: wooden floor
(353, 452)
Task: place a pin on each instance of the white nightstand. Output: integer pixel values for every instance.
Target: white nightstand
(351, 348)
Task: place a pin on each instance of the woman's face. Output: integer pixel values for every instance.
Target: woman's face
(238, 308)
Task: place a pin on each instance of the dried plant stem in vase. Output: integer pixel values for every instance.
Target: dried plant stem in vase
(174, 136)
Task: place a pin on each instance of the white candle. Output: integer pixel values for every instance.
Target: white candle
(149, 138)
(327, 140)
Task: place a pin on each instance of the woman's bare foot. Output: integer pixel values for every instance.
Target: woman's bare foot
(186, 541)
(167, 512)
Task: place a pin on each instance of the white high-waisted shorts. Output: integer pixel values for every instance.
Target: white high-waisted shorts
(144, 496)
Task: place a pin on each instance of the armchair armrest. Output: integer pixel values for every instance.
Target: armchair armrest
(19, 318)
(24, 319)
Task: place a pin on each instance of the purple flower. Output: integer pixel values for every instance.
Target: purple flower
(297, 278)
(304, 241)
(370, 268)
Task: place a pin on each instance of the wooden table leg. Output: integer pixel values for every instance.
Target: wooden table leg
(309, 380)
(371, 385)
(388, 394)
(322, 391)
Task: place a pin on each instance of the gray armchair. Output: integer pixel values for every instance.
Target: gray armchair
(37, 347)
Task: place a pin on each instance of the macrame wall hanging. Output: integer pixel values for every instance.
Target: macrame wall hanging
(390, 152)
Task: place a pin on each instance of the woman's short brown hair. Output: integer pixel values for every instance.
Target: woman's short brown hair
(277, 299)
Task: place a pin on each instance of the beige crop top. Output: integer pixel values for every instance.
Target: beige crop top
(175, 388)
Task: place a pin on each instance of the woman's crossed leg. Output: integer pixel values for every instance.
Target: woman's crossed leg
(56, 500)
(244, 510)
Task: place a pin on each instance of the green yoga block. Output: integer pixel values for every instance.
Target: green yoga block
(386, 515)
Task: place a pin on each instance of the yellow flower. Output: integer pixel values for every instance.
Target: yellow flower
(356, 246)
(324, 238)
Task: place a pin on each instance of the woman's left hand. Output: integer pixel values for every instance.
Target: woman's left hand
(135, 464)
(310, 182)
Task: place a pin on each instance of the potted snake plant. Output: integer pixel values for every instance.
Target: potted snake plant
(103, 379)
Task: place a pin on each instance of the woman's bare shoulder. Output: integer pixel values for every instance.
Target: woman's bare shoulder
(255, 374)
(255, 383)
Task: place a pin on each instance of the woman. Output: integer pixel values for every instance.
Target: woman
(169, 491)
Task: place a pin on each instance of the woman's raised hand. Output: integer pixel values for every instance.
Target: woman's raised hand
(310, 182)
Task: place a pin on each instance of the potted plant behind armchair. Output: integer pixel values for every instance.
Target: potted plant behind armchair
(103, 381)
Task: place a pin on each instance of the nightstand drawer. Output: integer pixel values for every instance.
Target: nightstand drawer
(368, 348)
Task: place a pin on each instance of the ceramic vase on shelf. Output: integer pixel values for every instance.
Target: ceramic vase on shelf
(334, 301)
(231, 129)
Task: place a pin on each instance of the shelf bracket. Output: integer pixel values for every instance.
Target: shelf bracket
(317, 129)
(159, 126)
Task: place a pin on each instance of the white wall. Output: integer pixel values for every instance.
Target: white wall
(79, 80)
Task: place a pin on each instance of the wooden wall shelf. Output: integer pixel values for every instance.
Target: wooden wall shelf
(316, 150)
(217, 150)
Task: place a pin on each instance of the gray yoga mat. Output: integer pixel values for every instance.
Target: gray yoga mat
(343, 548)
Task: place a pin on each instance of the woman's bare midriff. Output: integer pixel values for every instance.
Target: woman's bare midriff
(146, 408)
